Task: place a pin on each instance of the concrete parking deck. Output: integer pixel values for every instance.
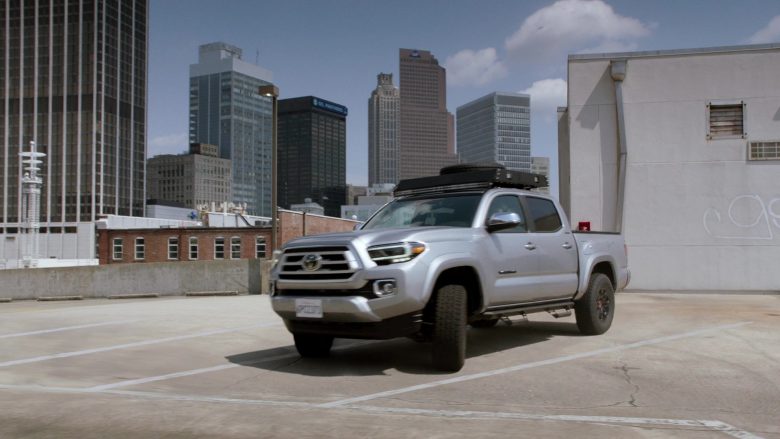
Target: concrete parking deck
(673, 365)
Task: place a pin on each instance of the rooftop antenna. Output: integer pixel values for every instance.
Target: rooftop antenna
(257, 57)
(31, 203)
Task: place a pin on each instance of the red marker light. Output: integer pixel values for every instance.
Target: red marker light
(584, 226)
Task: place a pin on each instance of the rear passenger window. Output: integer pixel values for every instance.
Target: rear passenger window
(543, 214)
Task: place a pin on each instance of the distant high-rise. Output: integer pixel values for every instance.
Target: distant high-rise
(193, 179)
(384, 109)
(227, 110)
(74, 81)
(312, 153)
(426, 125)
(496, 128)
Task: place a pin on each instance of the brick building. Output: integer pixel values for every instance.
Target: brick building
(183, 244)
(131, 245)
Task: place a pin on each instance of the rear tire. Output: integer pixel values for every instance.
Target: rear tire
(313, 345)
(596, 309)
(449, 328)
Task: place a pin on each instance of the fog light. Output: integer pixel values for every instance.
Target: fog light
(385, 287)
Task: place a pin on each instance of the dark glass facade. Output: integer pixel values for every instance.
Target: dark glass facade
(73, 79)
(312, 153)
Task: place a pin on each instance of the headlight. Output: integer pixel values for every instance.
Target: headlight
(275, 258)
(395, 253)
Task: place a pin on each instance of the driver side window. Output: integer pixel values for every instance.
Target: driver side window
(508, 204)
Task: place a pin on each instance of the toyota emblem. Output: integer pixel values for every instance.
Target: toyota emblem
(312, 262)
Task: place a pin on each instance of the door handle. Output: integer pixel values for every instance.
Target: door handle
(566, 245)
(530, 246)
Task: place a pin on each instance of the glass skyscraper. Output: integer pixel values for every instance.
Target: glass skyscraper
(383, 126)
(496, 128)
(226, 110)
(73, 79)
(312, 153)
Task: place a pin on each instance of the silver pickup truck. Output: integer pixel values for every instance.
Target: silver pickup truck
(447, 252)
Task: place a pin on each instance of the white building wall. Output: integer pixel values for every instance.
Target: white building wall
(697, 214)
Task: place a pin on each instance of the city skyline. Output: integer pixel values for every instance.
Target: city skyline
(336, 55)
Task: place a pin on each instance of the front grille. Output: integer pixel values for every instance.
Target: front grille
(318, 263)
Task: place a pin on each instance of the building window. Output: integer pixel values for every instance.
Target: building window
(235, 247)
(193, 248)
(726, 120)
(139, 249)
(117, 249)
(259, 247)
(764, 150)
(173, 248)
(219, 248)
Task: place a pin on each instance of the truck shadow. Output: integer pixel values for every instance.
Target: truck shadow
(376, 357)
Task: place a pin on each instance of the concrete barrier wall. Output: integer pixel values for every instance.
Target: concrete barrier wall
(163, 278)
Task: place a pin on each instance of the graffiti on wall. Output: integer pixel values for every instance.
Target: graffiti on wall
(747, 217)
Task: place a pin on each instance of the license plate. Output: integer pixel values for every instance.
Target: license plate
(311, 308)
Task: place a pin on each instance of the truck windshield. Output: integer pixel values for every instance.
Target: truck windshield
(442, 210)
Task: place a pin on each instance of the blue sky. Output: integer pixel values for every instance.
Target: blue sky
(334, 49)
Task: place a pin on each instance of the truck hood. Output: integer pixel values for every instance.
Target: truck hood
(367, 238)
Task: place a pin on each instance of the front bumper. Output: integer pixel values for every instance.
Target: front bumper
(399, 326)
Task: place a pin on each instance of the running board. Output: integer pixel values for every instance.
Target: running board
(557, 308)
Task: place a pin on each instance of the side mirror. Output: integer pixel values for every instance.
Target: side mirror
(358, 226)
(502, 221)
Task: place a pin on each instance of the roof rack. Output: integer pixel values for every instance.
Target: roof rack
(470, 177)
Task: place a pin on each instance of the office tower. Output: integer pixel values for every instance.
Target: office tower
(496, 128)
(194, 179)
(312, 153)
(74, 82)
(426, 125)
(227, 110)
(384, 108)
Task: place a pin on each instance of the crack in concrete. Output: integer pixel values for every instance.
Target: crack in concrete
(627, 376)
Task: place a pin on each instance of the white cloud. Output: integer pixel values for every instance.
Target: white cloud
(572, 25)
(546, 96)
(169, 144)
(468, 67)
(769, 34)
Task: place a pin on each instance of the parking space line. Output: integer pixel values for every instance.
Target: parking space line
(524, 366)
(68, 328)
(709, 425)
(131, 345)
(186, 373)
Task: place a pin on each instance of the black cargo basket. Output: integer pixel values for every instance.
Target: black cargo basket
(470, 177)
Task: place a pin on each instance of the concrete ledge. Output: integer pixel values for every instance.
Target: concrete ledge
(58, 298)
(135, 296)
(211, 293)
(246, 276)
(6, 299)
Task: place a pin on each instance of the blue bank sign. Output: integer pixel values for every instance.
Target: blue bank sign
(329, 106)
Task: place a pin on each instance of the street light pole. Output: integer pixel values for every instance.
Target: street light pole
(272, 91)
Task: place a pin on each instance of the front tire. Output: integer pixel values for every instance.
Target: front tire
(313, 345)
(449, 328)
(596, 309)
